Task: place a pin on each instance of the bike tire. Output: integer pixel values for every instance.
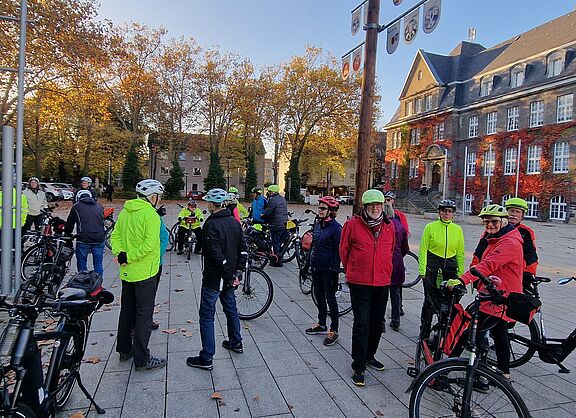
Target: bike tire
(108, 235)
(520, 352)
(30, 280)
(260, 292)
(411, 267)
(342, 294)
(25, 411)
(446, 378)
(289, 253)
(170, 246)
(173, 236)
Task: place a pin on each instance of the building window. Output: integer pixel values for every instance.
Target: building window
(408, 109)
(471, 164)
(564, 108)
(472, 126)
(510, 159)
(428, 102)
(558, 208)
(554, 65)
(491, 121)
(196, 158)
(194, 187)
(352, 176)
(513, 116)
(438, 132)
(489, 162)
(164, 171)
(396, 140)
(418, 105)
(485, 86)
(505, 199)
(182, 156)
(516, 77)
(414, 164)
(469, 198)
(534, 157)
(415, 136)
(393, 169)
(533, 203)
(536, 114)
(196, 171)
(487, 200)
(561, 154)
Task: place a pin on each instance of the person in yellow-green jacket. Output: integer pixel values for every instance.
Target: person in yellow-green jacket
(242, 211)
(24, 209)
(441, 259)
(136, 244)
(191, 210)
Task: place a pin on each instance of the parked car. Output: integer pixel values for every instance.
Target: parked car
(67, 190)
(195, 195)
(345, 200)
(53, 192)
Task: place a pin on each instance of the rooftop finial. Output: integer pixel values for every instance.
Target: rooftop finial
(471, 34)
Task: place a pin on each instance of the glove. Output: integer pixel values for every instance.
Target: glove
(161, 211)
(452, 283)
(233, 280)
(122, 258)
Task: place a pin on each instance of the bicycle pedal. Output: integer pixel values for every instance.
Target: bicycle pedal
(412, 372)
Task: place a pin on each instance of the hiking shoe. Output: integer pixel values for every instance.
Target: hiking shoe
(375, 364)
(200, 364)
(401, 311)
(316, 329)
(481, 384)
(154, 325)
(152, 363)
(331, 338)
(126, 356)
(237, 349)
(395, 326)
(358, 378)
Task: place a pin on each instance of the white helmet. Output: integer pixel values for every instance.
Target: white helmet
(87, 179)
(149, 187)
(232, 198)
(83, 193)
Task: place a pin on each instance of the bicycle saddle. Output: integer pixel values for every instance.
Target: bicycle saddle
(71, 293)
(540, 279)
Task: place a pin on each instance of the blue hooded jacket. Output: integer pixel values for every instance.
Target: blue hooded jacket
(325, 254)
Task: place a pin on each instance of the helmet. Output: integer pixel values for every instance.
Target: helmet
(390, 194)
(257, 190)
(83, 193)
(516, 202)
(33, 179)
(149, 187)
(274, 188)
(444, 204)
(88, 179)
(330, 201)
(372, 196)
(192, 202)
(493, 210)
(232, 198)
(216, 196)
(233, 190)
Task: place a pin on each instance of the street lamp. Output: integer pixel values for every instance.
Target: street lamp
(228, 174)
(186, 186)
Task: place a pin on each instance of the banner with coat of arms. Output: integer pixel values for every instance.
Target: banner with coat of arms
(431, 16)
(357, 60)
(346, 67)
(355, 25)
(393, 37)
(411, 26)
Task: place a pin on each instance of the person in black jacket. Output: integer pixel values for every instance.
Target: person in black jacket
(88, 217)
(224, 252)
(276, 215)
(325, 265)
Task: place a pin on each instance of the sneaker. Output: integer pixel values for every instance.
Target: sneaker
(375, 364)
(200, 364)
(154, 325)
(126, 356)
(331, 338)
(152, 363)
(237, 349)
(316, 329)
(481, 384)
(401, 311)
(358, 378)
(395, 326)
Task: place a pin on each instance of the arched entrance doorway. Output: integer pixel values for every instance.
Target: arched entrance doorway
(436, 177)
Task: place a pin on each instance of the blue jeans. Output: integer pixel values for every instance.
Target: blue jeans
(279, 236)
(82, 251)
(208, 300)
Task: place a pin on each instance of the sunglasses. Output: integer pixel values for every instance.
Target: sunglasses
(322, 207)
(388, 199)
(491, 221)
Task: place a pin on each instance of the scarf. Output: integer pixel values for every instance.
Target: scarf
(372, 223)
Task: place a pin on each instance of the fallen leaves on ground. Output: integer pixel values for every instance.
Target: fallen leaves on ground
(411, 361)
(183, 330)
(93, 360)
(114, 286)
(190, 321)
(170, 331)
(380, 414)
(188, 334)
(216, 395)
(257, 398)
(77, 415)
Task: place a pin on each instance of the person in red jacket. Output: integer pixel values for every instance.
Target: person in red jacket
(502, 258)
(366, 247)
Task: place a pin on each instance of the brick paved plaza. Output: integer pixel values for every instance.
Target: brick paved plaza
(283, 371)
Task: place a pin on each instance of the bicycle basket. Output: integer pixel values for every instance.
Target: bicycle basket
(522, 307)
(89, 281)
(459, 323)
(306, 241)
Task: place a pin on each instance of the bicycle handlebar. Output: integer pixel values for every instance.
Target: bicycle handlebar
(493, 292)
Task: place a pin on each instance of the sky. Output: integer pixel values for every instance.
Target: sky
(269, 32)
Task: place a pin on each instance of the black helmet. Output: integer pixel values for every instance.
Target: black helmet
(257, 190)
(444, 204)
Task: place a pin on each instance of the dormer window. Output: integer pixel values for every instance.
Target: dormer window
(555, 64)
(485, 86)
(517, 77)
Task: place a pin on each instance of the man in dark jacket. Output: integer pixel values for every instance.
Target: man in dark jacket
(276, 215)
(88, 217)
(224, 252)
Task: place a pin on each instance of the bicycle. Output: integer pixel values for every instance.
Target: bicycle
(109, 224)
(254, 295)
(22, 379)
(190, 239)
(448, 387)
(342, 294)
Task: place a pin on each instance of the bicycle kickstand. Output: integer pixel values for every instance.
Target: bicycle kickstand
(99, 410)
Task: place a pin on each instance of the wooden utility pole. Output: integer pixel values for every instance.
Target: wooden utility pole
(366, 103)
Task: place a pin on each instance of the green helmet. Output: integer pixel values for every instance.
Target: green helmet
(493, 210)
(516, 202)
(372, 196)
(233, 190)
(274, 188)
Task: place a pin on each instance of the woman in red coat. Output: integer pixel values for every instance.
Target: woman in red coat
(366, 247)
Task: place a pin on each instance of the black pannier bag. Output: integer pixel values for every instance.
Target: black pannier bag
(522, 307)
(89, 281)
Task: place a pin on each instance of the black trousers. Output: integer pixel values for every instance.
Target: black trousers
(137, 307)
(325, 286)
(183, 232)
(35, 220)
(396, 301)
(368, 306)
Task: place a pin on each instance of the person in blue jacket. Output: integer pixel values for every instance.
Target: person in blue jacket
(325, 265)
(259, 203)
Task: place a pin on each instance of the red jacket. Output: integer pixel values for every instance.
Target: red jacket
(503, 258)
(367, 260)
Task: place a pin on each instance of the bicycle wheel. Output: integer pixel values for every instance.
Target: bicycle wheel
(289, 253)
(305, 281)
(411, 267)
(255, 295)
(34, 257)
(342, 294)
(23, 410)
(108, 236)
(170, 246)
(519, 336)
(438, 392)
(174, 235)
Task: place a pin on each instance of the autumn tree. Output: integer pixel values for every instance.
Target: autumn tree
(131, 172)
(175, 183)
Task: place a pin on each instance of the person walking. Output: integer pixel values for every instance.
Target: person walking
(109, 192)
(190, 211)
(87, 216)
(36, 199)
(259, 203)
(325, 265)
(276, 215)
(136, 244)
(366, 249)
(224, 255)
(441, 259)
